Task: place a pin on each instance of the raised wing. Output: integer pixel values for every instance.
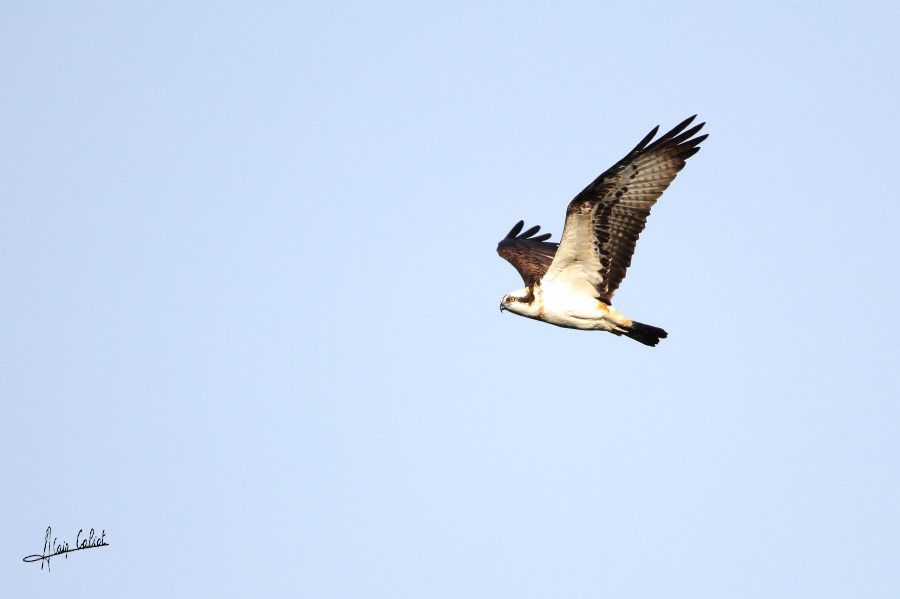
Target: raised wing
(529, 254)
(604, 221)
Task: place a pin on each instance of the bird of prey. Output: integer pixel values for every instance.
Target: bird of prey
(571, 283)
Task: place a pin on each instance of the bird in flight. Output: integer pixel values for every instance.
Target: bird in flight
(571, 283)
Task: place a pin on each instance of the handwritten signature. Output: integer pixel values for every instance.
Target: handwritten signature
(52, 548)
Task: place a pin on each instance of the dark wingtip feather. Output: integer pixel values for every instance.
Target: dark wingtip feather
(543, 237)
(694, 143)
(685, 122)
(646, 140)
(689, 153)
(515, 230)
(675, 131)
(530, 232)
(686, 134)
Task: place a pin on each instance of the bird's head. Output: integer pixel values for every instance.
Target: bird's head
(521, 302)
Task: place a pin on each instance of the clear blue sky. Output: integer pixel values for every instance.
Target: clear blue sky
(249, 309)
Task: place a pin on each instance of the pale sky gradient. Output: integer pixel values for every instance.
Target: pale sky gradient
(249, 312)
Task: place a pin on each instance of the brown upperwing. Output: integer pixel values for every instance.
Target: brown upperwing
(530, 255)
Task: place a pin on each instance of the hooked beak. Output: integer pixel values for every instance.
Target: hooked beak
(502, 308)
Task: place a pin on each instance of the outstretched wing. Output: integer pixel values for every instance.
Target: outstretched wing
(529, 254)
(604, 221)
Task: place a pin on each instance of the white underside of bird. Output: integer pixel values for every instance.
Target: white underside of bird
(567, 307)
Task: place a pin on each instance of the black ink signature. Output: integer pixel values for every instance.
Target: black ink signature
(52, 548)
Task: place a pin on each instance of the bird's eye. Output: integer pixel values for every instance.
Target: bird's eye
(510, 299)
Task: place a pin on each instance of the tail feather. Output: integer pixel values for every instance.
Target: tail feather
(645, 333)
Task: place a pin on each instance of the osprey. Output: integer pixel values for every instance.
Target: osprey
(571, 283)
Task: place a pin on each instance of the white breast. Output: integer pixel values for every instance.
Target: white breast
(569, 306)
(560, 297)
